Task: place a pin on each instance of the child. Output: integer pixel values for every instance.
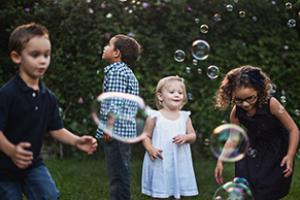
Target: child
(168, 166)
(121, 53)
(273, 134)
(28, 109)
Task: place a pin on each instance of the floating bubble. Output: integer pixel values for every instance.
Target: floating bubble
(213, 72)
(204, 28)
(188, 70)
(254, 18)
(233, 191)
(229, 7)
(229, 142)
(283, 99)
(200, 49)
(199, 70)
(195, 62)
(112, 110)
(288, 5)
(179, 55)
(252, 153)
(197, 20)
(291, 23)
(297, 112)
(241, 180)
(242, 14)
(217, 17)
(91, 11)
(298, 154)
(109, 15)
(190, 96)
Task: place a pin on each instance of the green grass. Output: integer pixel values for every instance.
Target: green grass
(86, 179)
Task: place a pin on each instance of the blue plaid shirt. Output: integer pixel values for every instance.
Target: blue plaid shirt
(118, 77)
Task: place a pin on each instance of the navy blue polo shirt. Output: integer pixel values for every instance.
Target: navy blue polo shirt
(25, 116)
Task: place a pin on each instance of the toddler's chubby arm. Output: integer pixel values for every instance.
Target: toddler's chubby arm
(153, 152)
(189, 137)
(85, 143)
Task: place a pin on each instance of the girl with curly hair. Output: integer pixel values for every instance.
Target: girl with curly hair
(273, 135)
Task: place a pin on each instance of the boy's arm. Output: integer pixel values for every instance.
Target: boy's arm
(20, 155)
(85, 143)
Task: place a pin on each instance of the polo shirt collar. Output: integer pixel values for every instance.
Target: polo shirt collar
(23, 86)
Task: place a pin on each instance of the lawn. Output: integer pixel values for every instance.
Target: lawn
(86, 178)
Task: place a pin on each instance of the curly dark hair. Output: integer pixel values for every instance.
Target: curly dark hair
(245, 76)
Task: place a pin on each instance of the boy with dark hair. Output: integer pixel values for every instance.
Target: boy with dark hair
(28, 110)
(121, 52)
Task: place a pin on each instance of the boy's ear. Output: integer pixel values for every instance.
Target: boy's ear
(117, 53)
(15, 57)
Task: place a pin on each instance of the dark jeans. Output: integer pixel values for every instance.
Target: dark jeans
(117, 156)
(37, 184)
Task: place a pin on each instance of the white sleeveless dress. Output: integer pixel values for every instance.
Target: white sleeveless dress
(174, 175)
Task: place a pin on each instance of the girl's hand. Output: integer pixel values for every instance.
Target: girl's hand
(21, 156)
(155, 153)
(219, 172)
(288, 162)
(87, 144)
(180, 139)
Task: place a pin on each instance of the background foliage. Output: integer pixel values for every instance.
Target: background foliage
(79, 30)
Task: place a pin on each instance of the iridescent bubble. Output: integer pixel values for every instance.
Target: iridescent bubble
(288, 5)
(273, 89)
(297, 112)
(111, 110)
(109, 15)
(190, 96)
(283, 99)
(213, 72)
(206, 142)
(179, 55)
(200, 49)
(233, 191)
(242, 13)
(241, 180)
(204, 28)
(254, 18)
(91, 11)
(188, 70)
(291, 23)
(252, 153)
(229, 142)
(199, 70)
(217, 17)
(298, 154)
(229, 7)
(195, 62)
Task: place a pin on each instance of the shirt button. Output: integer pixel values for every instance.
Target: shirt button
(36, 107)
(33, 94)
